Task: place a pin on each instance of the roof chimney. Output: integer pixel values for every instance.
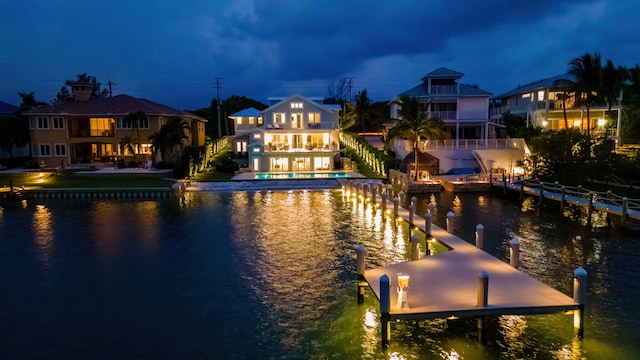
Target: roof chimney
(81, 90)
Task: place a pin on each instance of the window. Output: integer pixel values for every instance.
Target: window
(34, 149)
(60, 149)
(296, 105)
(100, 126)
(259, 120)
(58, 123)
(296, 121)
(241, 147)
(239, 120)
(43, 122)
(252, 120)
(278, 118)
(44, 150)
(314, 118)
(540, 95)
(321, 163)
(143, 123)
(297, 141)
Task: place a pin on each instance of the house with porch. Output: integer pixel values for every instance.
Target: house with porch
(90, 129)
(244, 122)
(298, 134)
(549, 103)
(464, 110)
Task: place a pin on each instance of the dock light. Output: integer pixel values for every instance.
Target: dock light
(403, 291)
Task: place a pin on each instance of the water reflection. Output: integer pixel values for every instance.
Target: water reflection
(43, 234)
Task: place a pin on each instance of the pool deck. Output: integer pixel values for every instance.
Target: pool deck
(446, 284)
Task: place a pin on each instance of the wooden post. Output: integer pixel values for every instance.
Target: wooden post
(480, 236)
(432, 208)
(385, 308)
(580, 297)
(514, 252)
(625, 209)
(450, 216)
(365, 192)
(401, 197)
(590, 209)
(541, 195)
(395, 206)
(412, 208)
(415, 247)
(504, 184)
(384, 202)
(360, 252)
(562, 198)
(428, 220)
(483, 301)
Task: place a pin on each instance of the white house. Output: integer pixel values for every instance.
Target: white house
(298, 134)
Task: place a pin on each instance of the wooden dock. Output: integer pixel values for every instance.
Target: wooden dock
(592, 200)
(446, 284)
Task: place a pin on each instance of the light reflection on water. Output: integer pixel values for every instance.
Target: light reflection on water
(271, 275)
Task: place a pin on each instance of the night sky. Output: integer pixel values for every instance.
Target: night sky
(172, 51)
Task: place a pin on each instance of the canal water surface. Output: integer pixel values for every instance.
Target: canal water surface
(271, 275)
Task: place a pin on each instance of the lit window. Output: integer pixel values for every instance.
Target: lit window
(577, 123)
(540, 95)
(278, 118)
(256, 136)
(296, 105)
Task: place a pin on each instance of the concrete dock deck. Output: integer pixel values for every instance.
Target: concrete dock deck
(446, 284)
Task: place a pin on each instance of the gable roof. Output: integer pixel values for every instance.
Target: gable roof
(443, 72)
(303, 98)
(114, 106)
(551, 82)
(248, 112)
(465, 90)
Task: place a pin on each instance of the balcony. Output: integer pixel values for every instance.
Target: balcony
(76, 133)
(443, 89)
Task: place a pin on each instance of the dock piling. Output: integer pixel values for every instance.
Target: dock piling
(415, 247)
(412, 209)
(395, 206)
(514, 252)
(428, 220)
(483, 289)
(580, 297)
(385, 308)
(450, 222)
(360, 252)
(479, 236)
(383, 196)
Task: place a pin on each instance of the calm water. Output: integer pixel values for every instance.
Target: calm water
(325, 175)
(270, 275)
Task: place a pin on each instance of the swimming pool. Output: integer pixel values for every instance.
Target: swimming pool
(325, 175)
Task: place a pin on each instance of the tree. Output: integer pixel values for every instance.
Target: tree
(588, 74)
(564, 96)
(612, 80)
(65, 93)
(134, 120)
(170, 140)
(14, 130)
(337, 91)
(414, 124)
(127, 144)
(358, 113)
(231, 105)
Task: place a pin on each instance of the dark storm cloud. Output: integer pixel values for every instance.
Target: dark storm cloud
(172, 51)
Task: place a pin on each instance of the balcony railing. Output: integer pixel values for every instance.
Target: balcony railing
(473, 144)
(444, 89)
(444, 115)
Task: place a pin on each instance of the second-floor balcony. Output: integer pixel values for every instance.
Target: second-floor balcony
(288, 148)
(75, 133)
(444, 115)
(443, 89)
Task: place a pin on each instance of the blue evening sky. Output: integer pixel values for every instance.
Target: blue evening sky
(171, 51)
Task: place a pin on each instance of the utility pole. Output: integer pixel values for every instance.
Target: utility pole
(218, 87)
(110, 88)
(349, 85)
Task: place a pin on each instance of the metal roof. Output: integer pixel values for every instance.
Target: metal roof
(248, 112)
(443, 73)
(552, 82)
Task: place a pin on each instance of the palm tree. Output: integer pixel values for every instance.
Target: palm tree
(414, 123)
(588, 73)
(170, 140)
(360, 112)
(134, 120)
(126, 144)
(564, 96)
(612, 80)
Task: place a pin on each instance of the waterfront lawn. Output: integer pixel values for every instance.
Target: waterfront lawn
(49, 180)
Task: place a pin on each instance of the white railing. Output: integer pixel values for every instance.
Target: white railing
(473, 144)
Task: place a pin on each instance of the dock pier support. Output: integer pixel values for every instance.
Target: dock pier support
(480, 236)
(483, 301)
(362, 283)
(580, 297)
(385, 308)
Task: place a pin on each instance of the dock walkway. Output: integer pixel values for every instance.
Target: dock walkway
(446, 284)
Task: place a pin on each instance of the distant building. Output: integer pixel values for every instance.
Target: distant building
(463, 108)
(298, 134)
(90, 129)
(541, 104)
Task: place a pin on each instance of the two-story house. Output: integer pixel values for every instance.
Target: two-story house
(244, 122)
(298, 134)
(463, 108)
(549, 103)
(90, 129)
